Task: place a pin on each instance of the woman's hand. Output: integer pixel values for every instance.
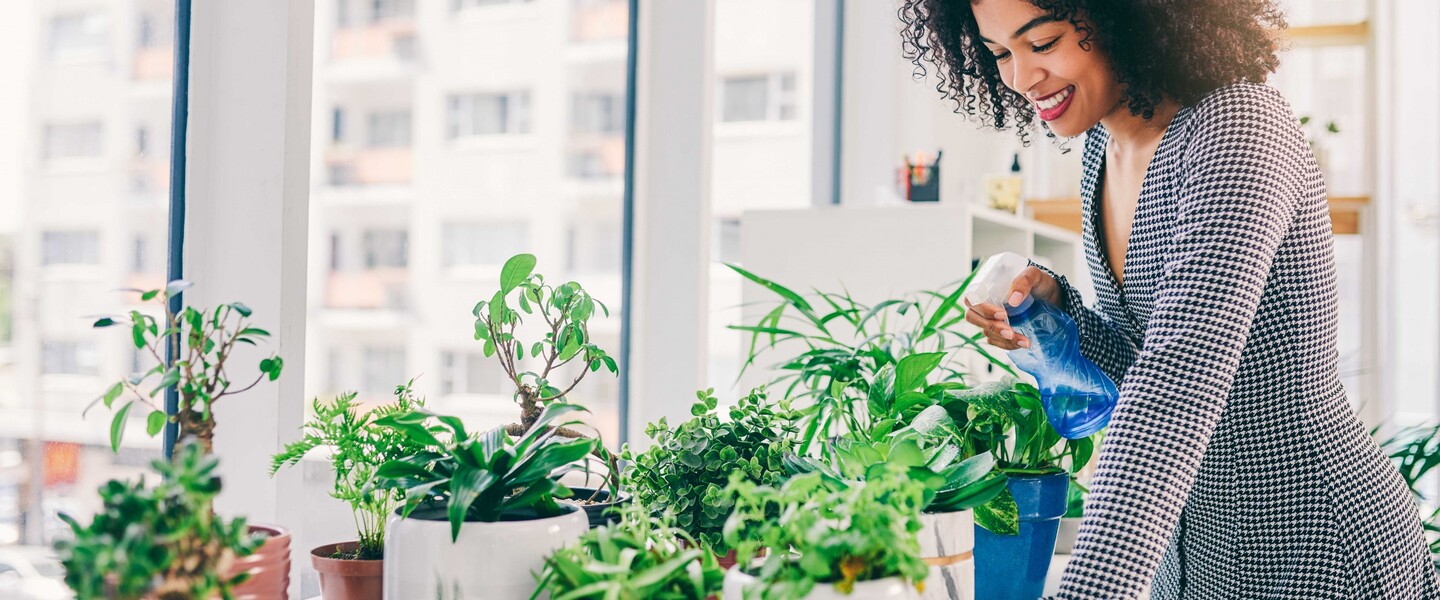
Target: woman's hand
(993, 320)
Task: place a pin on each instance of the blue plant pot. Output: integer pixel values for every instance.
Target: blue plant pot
(1013, 567)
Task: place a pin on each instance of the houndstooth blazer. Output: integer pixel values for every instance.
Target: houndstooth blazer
(1233, 466)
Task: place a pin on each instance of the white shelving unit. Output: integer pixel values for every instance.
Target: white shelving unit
(882, 252)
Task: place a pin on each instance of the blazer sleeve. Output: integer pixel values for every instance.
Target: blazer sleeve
(1101, 341)
(1237, 197)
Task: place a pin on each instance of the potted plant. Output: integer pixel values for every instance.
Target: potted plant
(1415, 451)
(638, 556)
(161, 542)
(478, 500)
(1015, 537)
(565, 351)
(687, 467)
(925, 451)
(204, 342)
(358, 446)
(827, 542)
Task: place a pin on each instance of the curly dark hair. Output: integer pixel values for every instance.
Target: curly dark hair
(1183, 49)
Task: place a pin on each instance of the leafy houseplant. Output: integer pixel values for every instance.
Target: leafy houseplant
(204, 340)
(162, 541)
(359, 446)
(487, 499)
(687, 468)
(565, 311)
(202, 343)
(820, 534)
(1416, 452)
(639, 556)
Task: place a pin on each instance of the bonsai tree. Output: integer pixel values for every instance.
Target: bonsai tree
(204, 342)
(490, 477)
(160, 542)
(564, 311)
(639, 556)
(821, 534)
(687, 468)
(359, 447)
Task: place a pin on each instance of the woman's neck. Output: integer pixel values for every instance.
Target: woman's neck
(1130, 132)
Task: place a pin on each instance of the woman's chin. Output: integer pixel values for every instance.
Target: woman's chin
(1064, 127)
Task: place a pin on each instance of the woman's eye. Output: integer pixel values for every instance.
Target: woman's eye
(1002, 57)
(1046, 47)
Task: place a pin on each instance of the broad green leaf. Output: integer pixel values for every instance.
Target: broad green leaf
(155, 422)
(117, 426)
(241, 308)
(515, 271)
(912, 370)
(999, 516)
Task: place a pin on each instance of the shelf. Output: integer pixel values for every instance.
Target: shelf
(1345, 212)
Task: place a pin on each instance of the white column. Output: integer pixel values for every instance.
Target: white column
(245, 230)
(672, 210)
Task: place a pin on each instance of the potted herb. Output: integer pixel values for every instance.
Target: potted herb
(687, 467)
(827, 542)
(1016, 532)
(161, 542)
(638, 556)
(358, 446)
(925, 451)
(565, 352)
(205, 342)
(478, 500)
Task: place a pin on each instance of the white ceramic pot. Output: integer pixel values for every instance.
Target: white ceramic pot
(947, 543)
(493, 561)
(891, 588)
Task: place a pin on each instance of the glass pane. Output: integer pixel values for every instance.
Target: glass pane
(1327, 85)
(84, 171)
(764, 57)
(444, 144)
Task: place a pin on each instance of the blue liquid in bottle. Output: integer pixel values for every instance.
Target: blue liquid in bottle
(1078, 396)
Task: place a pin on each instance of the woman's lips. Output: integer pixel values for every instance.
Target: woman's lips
(1056, 109)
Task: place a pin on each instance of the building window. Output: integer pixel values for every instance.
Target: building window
(386, 248)
(597, 112)
(384, 368)
(69, 248)
(68, 358)
(337, 125)
(469, 244)
(77, 37)
(154, 32)
(758, 98)
(72, 140)
(140, 257)
(381, 10)
(471, 373)
(488, 114)
(142, 140)
(388, 129)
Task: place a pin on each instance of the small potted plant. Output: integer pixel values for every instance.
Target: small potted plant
(827, 542)
(638, 556)
(687, 467)
(204, 342)
(358, 446)
(485, 500)
(1016, 532)
(161, 542)
(564, 312)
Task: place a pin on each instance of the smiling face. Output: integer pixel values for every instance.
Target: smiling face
(1040, 58)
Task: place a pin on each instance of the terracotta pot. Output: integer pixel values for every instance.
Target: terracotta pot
(344, 579)
(269, 567)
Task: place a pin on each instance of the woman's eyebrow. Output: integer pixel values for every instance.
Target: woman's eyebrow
(1035, 22)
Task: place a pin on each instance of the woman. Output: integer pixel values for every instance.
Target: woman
(1233, 466)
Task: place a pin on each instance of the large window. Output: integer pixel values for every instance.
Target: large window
(85, 107)
(488, 114)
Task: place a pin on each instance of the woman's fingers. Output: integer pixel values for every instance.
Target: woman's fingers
(993, 322)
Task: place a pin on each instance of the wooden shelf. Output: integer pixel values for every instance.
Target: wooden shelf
(1345, 212)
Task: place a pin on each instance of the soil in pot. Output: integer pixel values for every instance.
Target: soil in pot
(597, 504)
(347, 579)
(269, 567)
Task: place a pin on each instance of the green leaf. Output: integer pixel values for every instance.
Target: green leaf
(912, 370)
(155, 422)
(778, 289)
(117, 426)
(241, 308)
(171, 377)
(515, 271)
(113, 393)
(105, 322)
(150, 295)
(254, 331)
(1000, 515)
(175, 287)
(465, 487)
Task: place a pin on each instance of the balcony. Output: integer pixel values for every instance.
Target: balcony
(155, 63)
(369, 290)
(392, 39)
(599, 21)
(351, 167)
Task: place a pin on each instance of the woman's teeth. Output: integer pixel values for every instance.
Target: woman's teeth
(1054, 100)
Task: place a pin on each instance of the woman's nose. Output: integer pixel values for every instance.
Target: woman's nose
(1027, 74)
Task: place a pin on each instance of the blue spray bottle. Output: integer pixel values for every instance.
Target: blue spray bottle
(1078, 396)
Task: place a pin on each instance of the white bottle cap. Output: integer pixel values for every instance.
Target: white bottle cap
(996, 277)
